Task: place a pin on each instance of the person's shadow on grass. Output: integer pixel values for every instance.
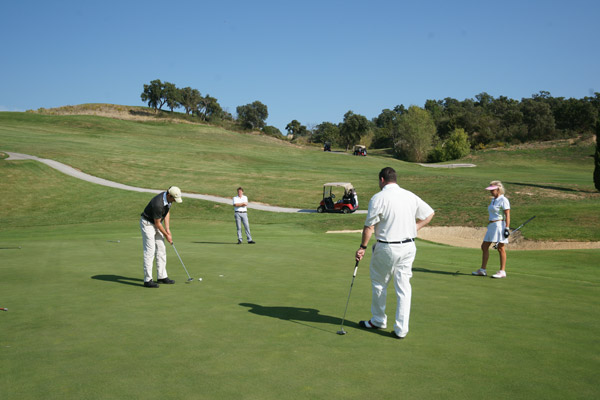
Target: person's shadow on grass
(120, 279)
(297, 315)
(432, 271)
(216, 242)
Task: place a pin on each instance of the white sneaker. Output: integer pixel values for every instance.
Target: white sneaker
(499, 274)
(479, 272)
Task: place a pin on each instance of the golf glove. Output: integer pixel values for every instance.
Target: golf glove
(506, 233)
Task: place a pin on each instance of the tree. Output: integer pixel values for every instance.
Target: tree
(154, 94)
(484, 100)
(597, 158)
(171, 95)
(457, 146)
(537, 115)
(296, 129)
(208, 108)
(189, 99)
(386, 127)
(253, 116)
(326, 132)
(416, 133)
(435, 108)
(575, 116)
(353, 128)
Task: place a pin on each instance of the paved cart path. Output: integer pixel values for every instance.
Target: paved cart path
(65, 169)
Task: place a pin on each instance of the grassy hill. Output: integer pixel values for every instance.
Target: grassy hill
(553, 182)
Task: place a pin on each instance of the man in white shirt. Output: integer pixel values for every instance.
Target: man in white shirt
(240, 202)
(395, 215)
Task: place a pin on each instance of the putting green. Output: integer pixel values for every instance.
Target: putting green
(262, 323)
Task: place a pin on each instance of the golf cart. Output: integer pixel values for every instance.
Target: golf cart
(347, 204)
(327, 146)
(359, 150)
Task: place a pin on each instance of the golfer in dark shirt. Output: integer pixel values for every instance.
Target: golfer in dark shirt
(157, 213)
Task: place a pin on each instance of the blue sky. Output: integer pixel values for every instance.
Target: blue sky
(306, 60)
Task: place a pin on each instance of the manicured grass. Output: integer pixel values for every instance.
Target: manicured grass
(554, 183)
(262, 323)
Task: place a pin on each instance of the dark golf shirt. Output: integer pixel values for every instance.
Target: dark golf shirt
(156, 208)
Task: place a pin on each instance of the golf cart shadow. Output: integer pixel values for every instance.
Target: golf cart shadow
(120, 279)
(296, 315)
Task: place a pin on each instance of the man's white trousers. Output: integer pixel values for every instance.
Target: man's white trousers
(392, 261)
(154, 247)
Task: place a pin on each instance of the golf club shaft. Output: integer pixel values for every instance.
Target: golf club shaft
(182, 264)
(514, 230)
(347, 301)
(523, 224)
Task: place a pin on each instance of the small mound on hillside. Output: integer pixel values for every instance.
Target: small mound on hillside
(134, 113)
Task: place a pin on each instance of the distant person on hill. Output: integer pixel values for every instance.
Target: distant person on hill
(240, 203)
(157, 212)
(497, 230)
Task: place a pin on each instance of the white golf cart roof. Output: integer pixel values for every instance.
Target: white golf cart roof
(346, 185)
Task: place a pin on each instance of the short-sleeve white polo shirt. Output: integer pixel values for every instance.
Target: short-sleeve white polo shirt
(238, 200)
(393, 211)
(497, 207)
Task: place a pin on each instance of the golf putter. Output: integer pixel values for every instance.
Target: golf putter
(514, 230)
(342, 331)
(182, 264)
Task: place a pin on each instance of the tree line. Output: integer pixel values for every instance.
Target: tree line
(158, 94)
(449, 129)
(441, 130)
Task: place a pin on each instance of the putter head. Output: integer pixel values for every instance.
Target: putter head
(191, 279)
(342, 332)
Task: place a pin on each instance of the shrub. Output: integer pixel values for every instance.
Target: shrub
(455, 147)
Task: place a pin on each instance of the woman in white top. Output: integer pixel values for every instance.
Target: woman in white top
(498, 229)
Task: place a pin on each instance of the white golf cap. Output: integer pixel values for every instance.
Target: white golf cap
(176, 193)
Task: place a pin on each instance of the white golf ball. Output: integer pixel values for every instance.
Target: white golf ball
(199, 279)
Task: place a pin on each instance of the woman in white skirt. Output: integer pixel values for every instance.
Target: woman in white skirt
(498, 229)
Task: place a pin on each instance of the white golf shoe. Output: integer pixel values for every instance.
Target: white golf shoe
(479, 272)
(499, 274)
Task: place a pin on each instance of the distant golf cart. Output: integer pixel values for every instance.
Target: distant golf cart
(327, 146)
(347, 204)
(359, 150)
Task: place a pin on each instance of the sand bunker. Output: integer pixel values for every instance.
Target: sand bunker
(460, 236)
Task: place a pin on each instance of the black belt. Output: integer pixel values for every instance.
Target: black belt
(404, 241)
(241, 212)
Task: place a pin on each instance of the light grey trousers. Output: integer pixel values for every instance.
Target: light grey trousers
(242, 218)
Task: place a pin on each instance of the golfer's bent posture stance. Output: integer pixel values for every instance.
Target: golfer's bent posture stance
(240, 202)
(395, 215)
(157, 212)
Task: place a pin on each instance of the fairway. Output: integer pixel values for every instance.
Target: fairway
(262, 322)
